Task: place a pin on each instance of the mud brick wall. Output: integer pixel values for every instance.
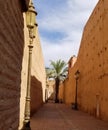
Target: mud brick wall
(38, 76)
(92, 62)
(11, 52)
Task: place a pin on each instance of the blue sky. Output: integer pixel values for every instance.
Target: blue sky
(61, 24)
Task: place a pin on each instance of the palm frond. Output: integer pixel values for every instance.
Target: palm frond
(50, 73)
(59, 67)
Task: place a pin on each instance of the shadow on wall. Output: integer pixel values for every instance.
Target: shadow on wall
(36, 94)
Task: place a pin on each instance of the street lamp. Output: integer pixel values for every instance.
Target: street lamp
(31, 25)
(76, 77)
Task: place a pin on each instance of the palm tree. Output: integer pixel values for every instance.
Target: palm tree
(49, 72)
(59, 70)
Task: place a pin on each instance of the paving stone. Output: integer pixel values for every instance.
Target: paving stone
(61, 117)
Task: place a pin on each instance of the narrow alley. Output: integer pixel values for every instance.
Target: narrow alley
(61, 117)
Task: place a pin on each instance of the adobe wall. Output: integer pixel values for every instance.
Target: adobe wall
(38, 76)
(50, 90)
(92, 63)
(67, 88)
(11, 52)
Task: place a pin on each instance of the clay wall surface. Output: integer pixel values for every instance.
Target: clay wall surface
(11, 52)
(36, 94)
(50, 90)
(92, 62)
(38, 76)
(13, 66)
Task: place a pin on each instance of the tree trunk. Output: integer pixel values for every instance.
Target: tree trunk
(57, 81)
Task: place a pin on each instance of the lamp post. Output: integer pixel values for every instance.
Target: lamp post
(76, 78)
(31, 25)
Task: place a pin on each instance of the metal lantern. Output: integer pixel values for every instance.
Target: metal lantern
(31, 16)
(35, 30)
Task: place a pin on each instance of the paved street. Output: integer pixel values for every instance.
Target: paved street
(61, 117)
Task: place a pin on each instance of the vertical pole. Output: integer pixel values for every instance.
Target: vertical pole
(64, 92)
(28, 97)
(46, 95)
(76, 96)
(97, 106)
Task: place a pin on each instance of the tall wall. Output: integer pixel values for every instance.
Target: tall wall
(13, 66)
(11, 52)
(38, 82)
(50, 93)
(92, 63)
(67, 88)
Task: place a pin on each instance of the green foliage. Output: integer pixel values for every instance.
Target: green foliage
(49, 73)
(59, 69)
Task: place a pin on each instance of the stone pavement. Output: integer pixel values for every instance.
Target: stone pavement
(61, 117)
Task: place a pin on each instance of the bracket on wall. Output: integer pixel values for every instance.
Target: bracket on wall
(24, 5)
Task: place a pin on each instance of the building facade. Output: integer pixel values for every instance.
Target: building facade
(11, 55)
(50, 89)
(38, 75)
(92, 62)
(13, 65)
